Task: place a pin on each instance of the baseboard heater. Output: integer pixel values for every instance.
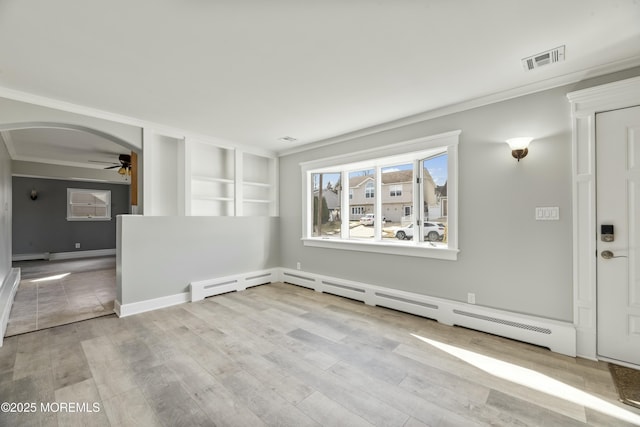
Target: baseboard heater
(558, 336)
(202, 289)
(8, 288)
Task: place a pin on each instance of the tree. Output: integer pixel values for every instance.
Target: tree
(324, 217)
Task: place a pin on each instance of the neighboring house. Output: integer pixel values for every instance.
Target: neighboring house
(397, 196)
(332, 197)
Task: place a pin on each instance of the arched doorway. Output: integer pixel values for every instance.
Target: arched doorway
(68, 263)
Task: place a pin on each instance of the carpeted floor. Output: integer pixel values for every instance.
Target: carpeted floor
(627, 383)
(54, 293)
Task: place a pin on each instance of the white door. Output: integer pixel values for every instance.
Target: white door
(618, 205)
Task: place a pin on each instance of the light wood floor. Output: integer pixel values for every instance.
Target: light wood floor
(283, 355)
(87, 290)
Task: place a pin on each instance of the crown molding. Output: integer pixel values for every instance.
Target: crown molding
(482, 101)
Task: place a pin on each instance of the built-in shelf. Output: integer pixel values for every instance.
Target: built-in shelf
(212, 179)
(227, 181)
(257, 184)
(220, 199)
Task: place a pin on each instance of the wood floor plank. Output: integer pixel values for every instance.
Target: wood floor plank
(286, 355)
(130, 408)
(328, 412)
(270, 407)
(409, 403)
(371, 409)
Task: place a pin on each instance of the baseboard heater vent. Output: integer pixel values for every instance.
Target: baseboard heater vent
(297, 276)
(348, 288)
(556, 335)
(504, 322)
(261, 276)
(221, 285)
(406, 300)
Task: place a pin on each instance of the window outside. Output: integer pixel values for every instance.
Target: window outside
(88, 205)
(399, 203)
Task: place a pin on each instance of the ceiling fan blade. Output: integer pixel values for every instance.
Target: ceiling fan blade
(113, 167)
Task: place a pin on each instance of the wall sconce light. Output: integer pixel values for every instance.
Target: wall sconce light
(33, 194)
(519, 147)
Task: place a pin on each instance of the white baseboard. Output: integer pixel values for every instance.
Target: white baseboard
(558, 336)
(63, 255)
(238, 282)
(30, 257)
(124, 310)
(82, 254)
(7, 294)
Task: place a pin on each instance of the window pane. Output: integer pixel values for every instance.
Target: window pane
(397, 199)
(326, 187)
(89, 211)
(435, 199)
(362, 185)
(88, 204)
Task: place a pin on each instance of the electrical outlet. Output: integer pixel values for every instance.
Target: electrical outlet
(471, 298)
(298, 266)
(77, 245)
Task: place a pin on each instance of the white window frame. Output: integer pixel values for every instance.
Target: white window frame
(370, 190)
(395, 190)
(107, 205)
(357, 210)
(376, 158)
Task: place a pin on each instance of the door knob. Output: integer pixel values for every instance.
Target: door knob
(609, 255)
(606, 254)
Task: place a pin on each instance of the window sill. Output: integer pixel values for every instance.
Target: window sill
(384, 248)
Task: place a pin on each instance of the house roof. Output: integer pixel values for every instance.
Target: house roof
(396, 177)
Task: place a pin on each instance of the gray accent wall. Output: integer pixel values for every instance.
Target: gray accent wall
(507, 259)
(40, 225)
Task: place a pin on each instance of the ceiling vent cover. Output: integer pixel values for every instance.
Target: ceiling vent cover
(544, 58)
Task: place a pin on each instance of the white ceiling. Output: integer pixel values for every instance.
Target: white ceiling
(253, 71)
(63, 147)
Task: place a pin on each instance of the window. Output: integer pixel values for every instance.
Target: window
(417, 181)
(395, 190)
(88, 205)
(357, 210)
(370, 190)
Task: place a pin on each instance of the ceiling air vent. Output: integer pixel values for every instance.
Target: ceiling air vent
(287, 139)
(545, 58)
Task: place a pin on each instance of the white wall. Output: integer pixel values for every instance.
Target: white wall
(509, 260)
(16, 112)
(5, 212)
(158, 256)
(163, 175)
(42, 170)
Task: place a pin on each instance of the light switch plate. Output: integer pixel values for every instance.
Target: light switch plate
(549, 213)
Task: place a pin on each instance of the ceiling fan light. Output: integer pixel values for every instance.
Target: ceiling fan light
(122, 171)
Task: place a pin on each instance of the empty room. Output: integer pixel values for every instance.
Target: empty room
(319, 213)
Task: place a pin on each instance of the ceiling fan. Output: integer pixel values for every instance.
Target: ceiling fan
(124, 166)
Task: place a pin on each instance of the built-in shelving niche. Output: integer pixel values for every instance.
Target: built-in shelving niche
(228, 181)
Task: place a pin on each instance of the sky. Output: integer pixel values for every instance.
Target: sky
(437, 167)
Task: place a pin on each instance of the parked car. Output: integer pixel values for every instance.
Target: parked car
(432, 232)
(369, 219)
